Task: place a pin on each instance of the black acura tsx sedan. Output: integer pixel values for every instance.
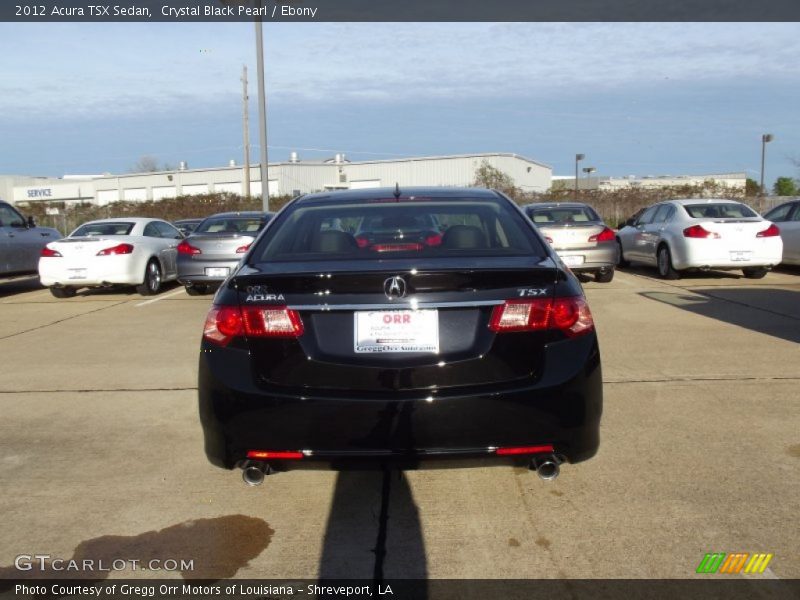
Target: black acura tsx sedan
(416, 327)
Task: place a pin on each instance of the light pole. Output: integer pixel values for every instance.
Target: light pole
(578, 158)
(262, 112)
(588, 171)
(262, 103)
(765, 139)
(246, 133)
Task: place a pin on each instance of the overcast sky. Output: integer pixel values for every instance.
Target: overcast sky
(639, 99)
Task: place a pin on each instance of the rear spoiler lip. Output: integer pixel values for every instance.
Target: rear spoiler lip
(394, 306)
(247, 271)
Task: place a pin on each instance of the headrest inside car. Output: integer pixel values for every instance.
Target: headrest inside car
(333, 241)
(463, 237)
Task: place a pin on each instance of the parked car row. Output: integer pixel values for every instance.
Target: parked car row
(146, 253)
(673, 236)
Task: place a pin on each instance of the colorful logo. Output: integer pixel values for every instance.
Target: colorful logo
(736, 562)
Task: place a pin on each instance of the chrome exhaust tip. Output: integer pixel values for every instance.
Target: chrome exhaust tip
(546, 467)
(253, 473)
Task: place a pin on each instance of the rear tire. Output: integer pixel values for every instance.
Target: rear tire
(665, 268)
(755, 272)
(152, 279)
(196, 290)
(621, 262)
(63, 292)
(604, 276)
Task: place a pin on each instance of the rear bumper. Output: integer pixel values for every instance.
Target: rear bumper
(604, 256)
(118, 270)
(412, 429)
(715, 254)
(194, 270)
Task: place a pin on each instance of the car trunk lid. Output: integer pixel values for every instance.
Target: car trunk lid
(571, 237)
(364, 335)
(739, 234)
(80, 247)
(219, 245)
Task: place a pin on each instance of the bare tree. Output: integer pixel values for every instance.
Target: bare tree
(149, 164)
(491, 177)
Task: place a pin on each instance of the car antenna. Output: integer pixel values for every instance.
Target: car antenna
(397, 190)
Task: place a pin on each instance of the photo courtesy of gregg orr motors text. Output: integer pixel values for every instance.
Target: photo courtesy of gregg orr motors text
(46, 563)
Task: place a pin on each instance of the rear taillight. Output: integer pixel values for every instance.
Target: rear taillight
(396, 247)
(278, 322)
(607, 235)
(118, 249)
(570, 315)
(223, 323)
(362, 241)
(242, 249)
(699, 232)
(186, 248)
(281, 454)
(434, 240)
(770, 231)
(49, 253)
(516, 450)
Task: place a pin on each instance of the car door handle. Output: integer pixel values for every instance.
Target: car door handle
(44, 234)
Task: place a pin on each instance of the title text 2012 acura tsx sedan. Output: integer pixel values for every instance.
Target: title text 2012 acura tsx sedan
(333, 347)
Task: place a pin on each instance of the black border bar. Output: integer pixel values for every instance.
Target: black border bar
(400, 11)
(711, 588)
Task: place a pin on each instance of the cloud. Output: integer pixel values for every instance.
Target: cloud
(85, 70)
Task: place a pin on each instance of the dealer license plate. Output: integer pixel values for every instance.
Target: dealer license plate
(217, 271)
(379, 331)
(740, 255)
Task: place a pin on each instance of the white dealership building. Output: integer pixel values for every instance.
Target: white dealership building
(292, 177)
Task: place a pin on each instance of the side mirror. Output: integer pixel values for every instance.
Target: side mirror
(31, 222)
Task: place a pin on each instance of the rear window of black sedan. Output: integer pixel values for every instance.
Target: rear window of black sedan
(379, 228)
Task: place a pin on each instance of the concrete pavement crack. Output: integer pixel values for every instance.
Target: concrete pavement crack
(5, 337)
(688, 379)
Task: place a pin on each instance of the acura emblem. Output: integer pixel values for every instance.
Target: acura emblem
(394, 287)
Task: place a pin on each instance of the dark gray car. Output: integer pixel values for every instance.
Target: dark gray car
(187, 226)
(215, 247)
(21, 241)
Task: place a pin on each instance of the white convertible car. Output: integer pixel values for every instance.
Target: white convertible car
(126, 251)
(679, 235)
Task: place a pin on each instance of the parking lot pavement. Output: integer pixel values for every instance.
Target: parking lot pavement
(101, 451)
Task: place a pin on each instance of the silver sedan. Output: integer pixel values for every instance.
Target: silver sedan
(214, 249)
(787, 217)
(578, 235)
